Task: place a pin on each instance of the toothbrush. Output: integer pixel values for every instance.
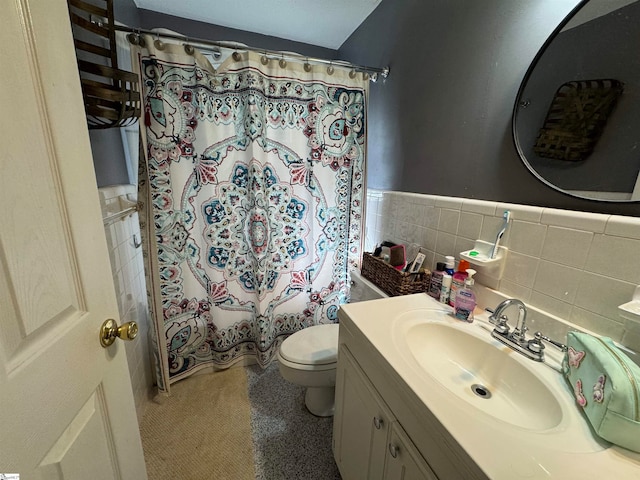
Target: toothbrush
(506, 216)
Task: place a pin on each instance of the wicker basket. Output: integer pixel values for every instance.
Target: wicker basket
(392, 281)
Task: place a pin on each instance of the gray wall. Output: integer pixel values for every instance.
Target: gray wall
(126, 11)
(441, 123)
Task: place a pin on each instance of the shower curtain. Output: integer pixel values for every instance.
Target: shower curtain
(253, 175)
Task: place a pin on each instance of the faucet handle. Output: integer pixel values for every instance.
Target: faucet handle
(560, 346)
(535, 344)
(500, 323)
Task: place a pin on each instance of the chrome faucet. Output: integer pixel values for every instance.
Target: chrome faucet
(516, 339)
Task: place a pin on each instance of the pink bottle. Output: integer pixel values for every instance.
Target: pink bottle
(457, 282)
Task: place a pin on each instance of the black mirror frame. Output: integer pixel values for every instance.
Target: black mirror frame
(519, 101)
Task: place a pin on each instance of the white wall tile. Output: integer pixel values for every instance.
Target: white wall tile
(454, 203)
(631, 340)
(490, 228)
(128, 278)
(527, 237)
(602, 295)
(470, 225)
(479, 206)
(449, 221)
(521, 269)
(623, 226)
(593, 222)
(432, 217)
(445, 243)
(462, 245)
(514, 290)
(567, 246)
(430, 238)
(617, 257)
(597, 323)
(552, 305)
(557, 281)
(520, 212)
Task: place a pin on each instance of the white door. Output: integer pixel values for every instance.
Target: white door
(66, 406)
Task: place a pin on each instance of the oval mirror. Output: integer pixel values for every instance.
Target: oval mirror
(576, 121)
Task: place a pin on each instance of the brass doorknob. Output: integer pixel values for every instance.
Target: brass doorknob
(110, 330)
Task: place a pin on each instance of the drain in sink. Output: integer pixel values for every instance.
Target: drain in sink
(481, 390)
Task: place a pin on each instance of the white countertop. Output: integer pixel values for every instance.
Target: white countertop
(503, 451)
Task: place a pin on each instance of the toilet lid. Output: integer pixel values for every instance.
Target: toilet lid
(317, 345)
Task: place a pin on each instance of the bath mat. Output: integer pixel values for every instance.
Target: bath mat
(202, 431)
(289, 442)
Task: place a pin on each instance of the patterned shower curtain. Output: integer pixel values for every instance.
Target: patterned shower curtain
(254, 184)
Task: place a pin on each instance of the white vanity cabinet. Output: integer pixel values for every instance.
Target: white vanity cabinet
(403, 461)
(368, 441)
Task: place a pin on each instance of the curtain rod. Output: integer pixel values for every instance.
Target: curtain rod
(372, 71)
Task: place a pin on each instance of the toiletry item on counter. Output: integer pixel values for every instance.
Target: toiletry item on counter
(397, 257)
(411, 251)
(435, 286)
(446, 288)
(383, 250)
(457, 281)
(466, 299)
(450, 263)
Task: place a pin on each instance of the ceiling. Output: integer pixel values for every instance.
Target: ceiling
(326, 23)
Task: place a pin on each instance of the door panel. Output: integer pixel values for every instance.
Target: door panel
(73, 456)
(66, 401)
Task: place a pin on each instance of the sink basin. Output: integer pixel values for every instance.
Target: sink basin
(484, 373)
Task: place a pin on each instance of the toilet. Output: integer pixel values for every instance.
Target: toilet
(308, 357)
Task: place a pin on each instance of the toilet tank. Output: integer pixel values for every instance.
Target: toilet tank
(362, 289)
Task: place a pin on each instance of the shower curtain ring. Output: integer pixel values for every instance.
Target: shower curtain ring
(352, 73)
(282, 62)
(158, 43)
(307, 66)
(264, 59)
(140, 39)
(330, 69)
(236, 56)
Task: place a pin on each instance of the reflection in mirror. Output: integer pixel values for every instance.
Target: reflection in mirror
(576, 122)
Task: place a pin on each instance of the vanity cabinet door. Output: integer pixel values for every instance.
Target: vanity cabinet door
(403, 461)
(361, 423)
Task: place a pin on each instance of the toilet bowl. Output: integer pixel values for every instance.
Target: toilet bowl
(308, 357)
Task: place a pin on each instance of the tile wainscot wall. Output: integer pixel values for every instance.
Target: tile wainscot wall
(127, 269)
(575, 266)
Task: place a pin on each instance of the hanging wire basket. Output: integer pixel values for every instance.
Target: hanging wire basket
(111, 95)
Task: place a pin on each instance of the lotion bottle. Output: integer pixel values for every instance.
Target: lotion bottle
(446, 288)
(466, 299)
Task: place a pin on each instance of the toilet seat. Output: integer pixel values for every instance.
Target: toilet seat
(313, 348)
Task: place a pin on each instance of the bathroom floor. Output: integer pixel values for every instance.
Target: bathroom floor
(240, 424)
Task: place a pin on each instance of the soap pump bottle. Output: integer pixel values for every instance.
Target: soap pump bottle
(457, 281)
(466, 299)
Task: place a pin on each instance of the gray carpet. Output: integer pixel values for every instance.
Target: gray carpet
(289, 442)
